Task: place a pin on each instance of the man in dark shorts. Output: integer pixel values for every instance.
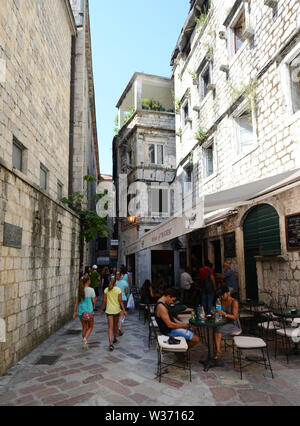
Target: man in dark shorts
(168, 325)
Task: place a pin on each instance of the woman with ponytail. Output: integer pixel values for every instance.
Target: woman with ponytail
(84, 308)
(112, 298)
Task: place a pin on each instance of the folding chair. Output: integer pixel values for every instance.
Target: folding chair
(163, 347)
(247, 343)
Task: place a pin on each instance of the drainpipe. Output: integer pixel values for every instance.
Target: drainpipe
(72, 113)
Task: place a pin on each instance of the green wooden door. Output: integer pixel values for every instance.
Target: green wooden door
(261, 237)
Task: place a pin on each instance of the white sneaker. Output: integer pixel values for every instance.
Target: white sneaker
(84, 343)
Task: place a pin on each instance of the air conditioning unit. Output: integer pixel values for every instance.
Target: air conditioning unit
(211, 87)
(224, 68)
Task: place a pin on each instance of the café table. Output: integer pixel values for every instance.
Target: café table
(210, 324)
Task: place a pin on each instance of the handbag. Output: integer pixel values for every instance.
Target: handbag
(86, 316)
(130, 303)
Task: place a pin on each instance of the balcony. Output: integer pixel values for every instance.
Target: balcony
(145, 92)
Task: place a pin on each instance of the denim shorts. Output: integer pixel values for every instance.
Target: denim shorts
(113, 315)
(182, 332)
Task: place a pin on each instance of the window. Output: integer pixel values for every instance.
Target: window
(185, 113)
(245, 130)
(205, 80)
(208, 160)
(236, 22)
(59, 190)
(159, 202)
(238, 30)
(295, 83)
(43, 177)
(156, 154)
(290, 79)
(17, 155)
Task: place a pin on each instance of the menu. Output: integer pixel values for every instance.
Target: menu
(293, 231)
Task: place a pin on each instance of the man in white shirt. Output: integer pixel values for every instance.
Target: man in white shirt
(186, 285)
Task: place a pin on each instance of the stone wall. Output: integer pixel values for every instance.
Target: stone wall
(37, 281)
(35, 42)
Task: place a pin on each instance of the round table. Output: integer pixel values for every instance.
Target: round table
(251, 303)
(210, 324)
(286, 313)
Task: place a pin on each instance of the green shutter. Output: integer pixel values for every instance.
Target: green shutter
(261, 230)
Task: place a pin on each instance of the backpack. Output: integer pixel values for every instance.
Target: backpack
(208, 286)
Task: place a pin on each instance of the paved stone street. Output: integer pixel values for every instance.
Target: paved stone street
(126, 377)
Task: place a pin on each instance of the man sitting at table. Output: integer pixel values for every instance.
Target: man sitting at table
(170, 326)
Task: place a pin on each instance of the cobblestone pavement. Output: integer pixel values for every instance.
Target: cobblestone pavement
(126, 377)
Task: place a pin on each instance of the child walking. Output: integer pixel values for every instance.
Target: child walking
(84, 308)
(112, 298)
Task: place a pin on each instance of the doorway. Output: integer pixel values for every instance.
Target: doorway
(131, 267)
(217, 256)
(162, 264)
(261, 237)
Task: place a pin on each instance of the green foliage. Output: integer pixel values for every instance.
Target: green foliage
(247, 91)
(116, 129)
(201, 134)
(129, 114)
(91, 224)
(151, 104)
(176, 104)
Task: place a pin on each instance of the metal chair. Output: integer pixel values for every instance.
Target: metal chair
(163, 347)
(288, 333)
(153, 330)
(268, 325)
(247, 343)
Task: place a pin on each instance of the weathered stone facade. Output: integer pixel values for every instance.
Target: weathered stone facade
(38, 274)
(144, 130)
(255, 70)
(37, 282)
(233, 61)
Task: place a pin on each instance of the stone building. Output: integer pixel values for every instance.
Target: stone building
(39, 136)
(236, 77)
(84, 156)
(144, 163)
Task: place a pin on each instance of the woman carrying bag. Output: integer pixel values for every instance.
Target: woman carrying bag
(84, 308)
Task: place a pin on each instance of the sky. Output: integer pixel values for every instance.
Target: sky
(128, 37)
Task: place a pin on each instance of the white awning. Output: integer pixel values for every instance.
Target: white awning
(216, 208)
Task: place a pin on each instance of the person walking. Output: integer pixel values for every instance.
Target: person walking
(186, 282)
(208, 286)
(123, 285)
(83, 308)
(112, 298)
(95, 282)
(125, 276)
(105, 278)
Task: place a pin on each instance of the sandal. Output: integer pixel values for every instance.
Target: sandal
(115, 341)
(111, 348)
(217, 356)
(121, 333)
